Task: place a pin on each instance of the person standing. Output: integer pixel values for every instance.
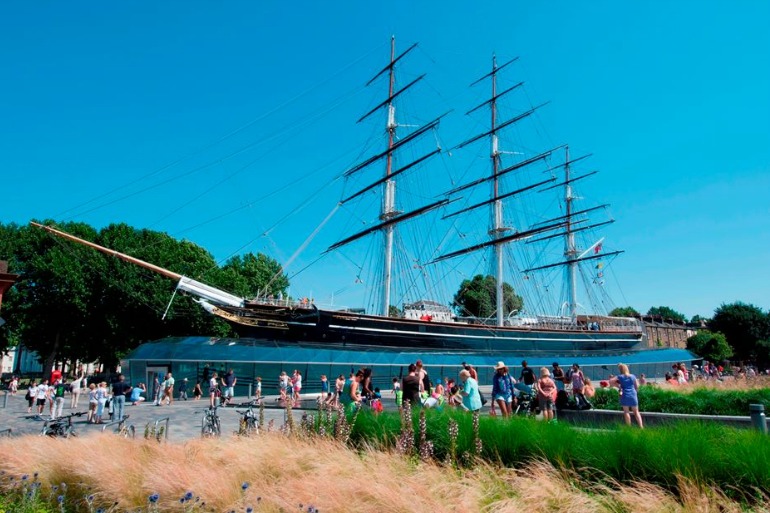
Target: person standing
(527, 374)
(502, 389)
(629, 399)
(258, 395)
(578, 382)
(31, 395)
(42, 395)
(75, 387)
(93, 403)
(213, 390)
(546, 394)
(183, 390)
(58, 399)
(168, 389)
(470, 392)
(119, 390)
(156, 391)
(296, 382)
(558, 375)
(228, 382)
(101, 400)
(410, 387)
(55, 375)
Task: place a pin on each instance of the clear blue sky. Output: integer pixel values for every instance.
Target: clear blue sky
(672, 99)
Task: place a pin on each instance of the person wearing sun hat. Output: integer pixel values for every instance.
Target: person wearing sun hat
(502, 389)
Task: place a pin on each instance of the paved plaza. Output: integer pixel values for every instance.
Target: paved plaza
(184, 416)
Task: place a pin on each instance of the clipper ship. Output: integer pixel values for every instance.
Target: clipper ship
(425, 324)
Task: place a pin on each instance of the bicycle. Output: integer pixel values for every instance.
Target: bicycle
(61, 427)
(248, 424)
(210, 425)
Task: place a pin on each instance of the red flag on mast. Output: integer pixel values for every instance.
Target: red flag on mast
(597, 248)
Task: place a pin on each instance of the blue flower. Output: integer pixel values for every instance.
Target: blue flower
(249, 509)
(188, 496)
(245, 486)
(182, 500)
(153, 498)
(24, 477)
(90, 499)
(60, 499)
(100, 510)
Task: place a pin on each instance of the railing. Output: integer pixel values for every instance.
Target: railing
(154, 431)
(6, 432)
(131, 432)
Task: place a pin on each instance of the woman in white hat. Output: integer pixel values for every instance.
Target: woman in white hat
(502, 389)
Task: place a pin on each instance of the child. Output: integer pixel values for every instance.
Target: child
(339, 386)
(397, 392)
(377, 401)
(258, 395)
(325, 394)
(183, 390)
(546, 393)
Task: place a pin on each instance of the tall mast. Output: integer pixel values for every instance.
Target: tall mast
(570, 251)
(389, 187)
(497, 206)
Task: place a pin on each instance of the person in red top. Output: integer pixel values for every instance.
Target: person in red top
(546, 394)
(55, 375)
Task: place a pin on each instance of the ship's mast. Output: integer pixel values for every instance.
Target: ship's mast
(389, 187)
(497, 207)
(570, 251)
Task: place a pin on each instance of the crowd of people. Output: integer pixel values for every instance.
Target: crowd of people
(547, 389)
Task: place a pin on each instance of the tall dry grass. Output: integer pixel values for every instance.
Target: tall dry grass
(285, 472)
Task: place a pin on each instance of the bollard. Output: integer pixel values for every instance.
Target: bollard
(758, 419)
(5, 400)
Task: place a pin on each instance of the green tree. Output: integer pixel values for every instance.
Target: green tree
(73, 302)
(476, 297)
(623, 311)
(252, 275)
(698, 318)
(746, 327)
(666, 313)
(711, 346)
(49, 308)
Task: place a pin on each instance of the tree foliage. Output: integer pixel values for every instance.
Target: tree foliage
(623, 311)
(476, 297)
(711, 346)
(746, 327)
(666, 312)
(72, 302)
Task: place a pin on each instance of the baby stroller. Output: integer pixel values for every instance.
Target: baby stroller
(526, 400)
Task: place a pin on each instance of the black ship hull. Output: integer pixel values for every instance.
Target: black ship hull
(310, 326)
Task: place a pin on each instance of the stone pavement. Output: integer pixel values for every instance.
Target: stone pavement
(185, 416)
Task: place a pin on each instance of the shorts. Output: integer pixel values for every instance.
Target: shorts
(41, 402)
(230, 392)
(502, 397)
(546, 403)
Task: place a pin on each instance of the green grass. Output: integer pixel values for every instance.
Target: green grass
(737, 461)
(702, 401)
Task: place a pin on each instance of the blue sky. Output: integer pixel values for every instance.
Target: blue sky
(211, 121)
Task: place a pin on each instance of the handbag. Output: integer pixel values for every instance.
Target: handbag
(28, 396)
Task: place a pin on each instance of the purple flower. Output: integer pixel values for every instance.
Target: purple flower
(24, 477)
(90, 499)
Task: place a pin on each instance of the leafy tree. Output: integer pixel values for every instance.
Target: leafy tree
(711, 346)
(394, 311)
(697, 318)
(75, 303)
(476, 297)
(49, 307)
(252, 275)
(746, 327)
(623, 311)
(666, 313)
